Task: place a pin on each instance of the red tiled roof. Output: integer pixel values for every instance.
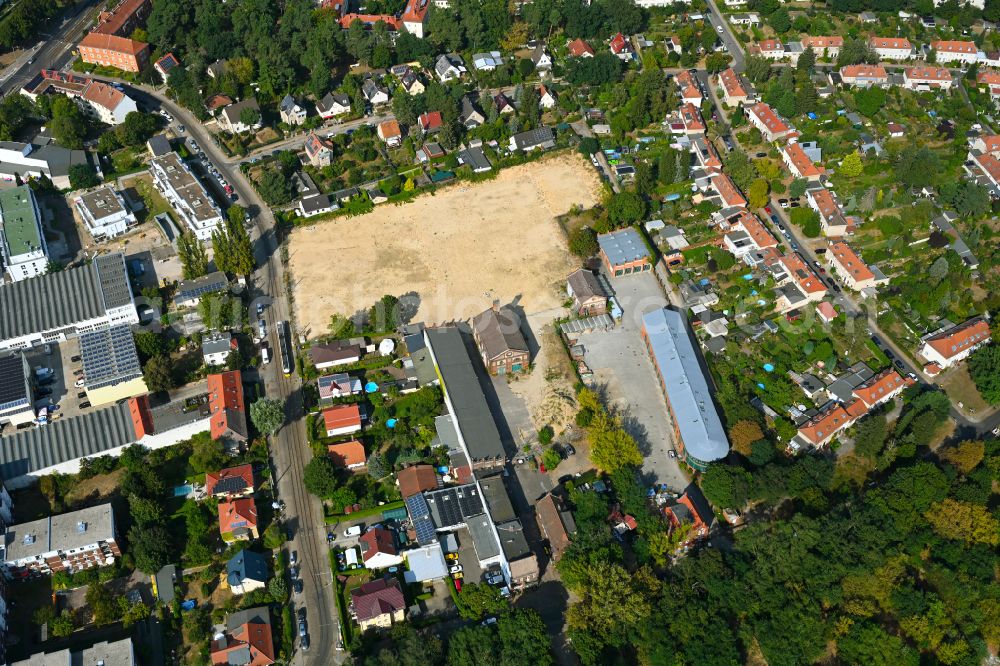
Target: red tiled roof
(863, 72)
(801, 161)
(766, 115)
(802, 274)
(377, 597)
(342, 416)
(822, 426)
(217, 102)
(236, 514)
(370, 19)
(691, 117)
(103, 95)
(928, 74)
(958, 339)
(389, 129)
(416, 479)
(766, 45)
(827, 311)
(113, 43)
(824, 42)
(890, 43)
(416, 10)
(314, 144)
(225, 402)
(954, 46)
(112, 22)
(852, 264)
(578, 47)
(988, 77)
(347, 454)
(991, 142)
(430, 120)
(730, 81)
(376, 540)
(880, 387)
(990, 164)
(755, 229)
(142, 418)
(620, 44)
(825, 202)
(724, 185)
(252, 636)
(244, 472)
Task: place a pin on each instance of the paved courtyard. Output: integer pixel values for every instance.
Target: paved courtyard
(624, 373)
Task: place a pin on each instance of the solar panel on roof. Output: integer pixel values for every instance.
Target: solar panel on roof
(109, 356)
(229, 484)
(417, 506)
(425, 530)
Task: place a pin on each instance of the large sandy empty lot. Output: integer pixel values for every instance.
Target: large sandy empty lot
(457, 250)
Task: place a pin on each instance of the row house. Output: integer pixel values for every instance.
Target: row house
(706, 155)
(797, 284)
(989, 80)
(881, 388)
(953, 345)
(746, 235)
(121, 53)
(892, 48)
(864, 76)
(824, 46)
(772, 49)
(849, 267)
(691, 117)
(727, 191)
(799, 164)
(927, 78)
(831, 217)
(764, 118)
(690, 93)
(734, 92)
(955, 51)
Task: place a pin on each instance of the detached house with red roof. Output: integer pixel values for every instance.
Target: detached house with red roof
(430, 121)
(319, 151)
(864, 76)
(578, 48)
(238, 520)
(989, 80)
(378, 603)
(820, 429)
(772, 49)
(734, 92)
(828, 46)
(247, 640)
(953, 345)
(225, 404)
(230, 483)
(378, 549)
(621, 46)
(349, 455)
(342, 420)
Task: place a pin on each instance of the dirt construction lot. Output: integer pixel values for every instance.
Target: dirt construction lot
(457, 250)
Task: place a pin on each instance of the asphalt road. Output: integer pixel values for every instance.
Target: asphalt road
(303, 514)
(728, 38)
(59, 38)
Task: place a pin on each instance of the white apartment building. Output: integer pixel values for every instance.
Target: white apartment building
(950, 50)
(104, 213)
(954, 345)
(188, 197)
(97, 99)
(22, 241)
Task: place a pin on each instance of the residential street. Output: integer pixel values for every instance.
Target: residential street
(303, 515)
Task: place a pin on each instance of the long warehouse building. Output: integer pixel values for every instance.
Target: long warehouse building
(697, 426)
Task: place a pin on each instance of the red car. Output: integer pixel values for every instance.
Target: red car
(458, 585)
(768, 209)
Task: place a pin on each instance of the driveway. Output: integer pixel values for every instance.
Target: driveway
(625, 374)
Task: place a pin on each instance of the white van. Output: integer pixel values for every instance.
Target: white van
(351, 557)
(352, 531)
(265, 355)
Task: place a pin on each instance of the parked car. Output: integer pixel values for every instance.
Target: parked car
(304, 644)
(451, 557)
(84, 405)
(301, 614)
(352, 531)
(293, 572)
(294, 558)
(302, 628)
(298, 585)
(673, 454)
(569, 450)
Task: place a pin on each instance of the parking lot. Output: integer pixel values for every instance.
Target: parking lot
(624, 373)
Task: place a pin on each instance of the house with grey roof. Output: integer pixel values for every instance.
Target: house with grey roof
(39, 158)
(333, 104)
(470, 116)
(376, 93)
(246, 571)
(189, 292)
(624, 252)
(473, 422)
(233, 119)
(158, 145)
(475, 159)
(542, 138)
(701, 437)
(215, 349)
(449, 67)
(290, 111)
(58, 306)
(497, 333)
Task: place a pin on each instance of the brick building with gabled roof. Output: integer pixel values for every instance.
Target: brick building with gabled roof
(851, 269)
(225, 402)
(953, 345)
(238, 519)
